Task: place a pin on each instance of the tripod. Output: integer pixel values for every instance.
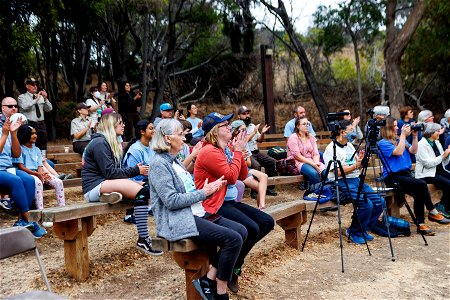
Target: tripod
(336, 164)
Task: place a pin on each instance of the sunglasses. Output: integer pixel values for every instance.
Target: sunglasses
(11, 105)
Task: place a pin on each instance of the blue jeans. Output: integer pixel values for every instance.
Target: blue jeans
(309, 171)
(21, 188)
(369, 206)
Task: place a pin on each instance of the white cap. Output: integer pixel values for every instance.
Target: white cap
(97, 95)
(16, 116)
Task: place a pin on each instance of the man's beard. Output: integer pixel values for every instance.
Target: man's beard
(247, 121)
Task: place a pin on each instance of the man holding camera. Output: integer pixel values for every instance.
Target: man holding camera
(33, 104)
(370, 204)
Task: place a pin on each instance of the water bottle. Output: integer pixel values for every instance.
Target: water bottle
(99, 112)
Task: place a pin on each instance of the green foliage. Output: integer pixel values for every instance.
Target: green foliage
(343, 69)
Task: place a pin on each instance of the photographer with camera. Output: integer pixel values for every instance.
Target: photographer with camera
(431, 162)
(370, 205)
(395, 153)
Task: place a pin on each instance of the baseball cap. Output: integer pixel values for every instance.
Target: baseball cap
(236, 124)
(30, 81)
(242, 109)
(82, 105)
(213, 119)
(165, 106)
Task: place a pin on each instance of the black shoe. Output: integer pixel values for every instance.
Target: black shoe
(222, 297)
(254, 194)
(233, 284)
(271, 192)
(145, 245)
(205, 287)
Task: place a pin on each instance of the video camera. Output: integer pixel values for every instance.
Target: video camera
(418, 127)
(333, 124)
(373, 125)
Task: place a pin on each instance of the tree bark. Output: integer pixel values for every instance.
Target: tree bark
(394, 47)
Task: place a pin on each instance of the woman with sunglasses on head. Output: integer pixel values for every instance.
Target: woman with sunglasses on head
(397, 170)
(104, 179)
(178, 210)
(221, 156)
(302, 146)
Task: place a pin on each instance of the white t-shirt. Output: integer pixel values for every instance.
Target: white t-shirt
(343, 154)
(196, 208)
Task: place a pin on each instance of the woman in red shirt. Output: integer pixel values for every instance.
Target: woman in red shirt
(222, 157)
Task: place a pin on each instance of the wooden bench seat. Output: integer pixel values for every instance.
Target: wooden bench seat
(74, 224)
(59, 148)
(59, 158)
(194, 260)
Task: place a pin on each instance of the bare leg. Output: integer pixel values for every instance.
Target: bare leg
(47, 168)
(126, 187)
(260, 185)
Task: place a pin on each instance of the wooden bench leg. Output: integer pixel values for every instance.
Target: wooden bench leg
(292, 228)
(76, 255)
(396, 202)
(195, 264)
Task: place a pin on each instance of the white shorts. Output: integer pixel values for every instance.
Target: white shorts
(94, 194)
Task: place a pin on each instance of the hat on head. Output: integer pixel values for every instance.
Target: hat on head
(242, 109)
(107, 111)
(82, 105)
(165, 106)
(236, 124)
(30, 81)
(213, 119)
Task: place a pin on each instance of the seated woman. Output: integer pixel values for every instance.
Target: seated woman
(103, 178)
(302, 146)
(18, 184)
(222, 157)
(80, 128)
(431, 162)
(256, 180)
(397, 170)
(31, 162)
(178, 210)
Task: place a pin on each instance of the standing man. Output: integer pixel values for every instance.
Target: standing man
(33, 104)
(289, 128)
(258, 159)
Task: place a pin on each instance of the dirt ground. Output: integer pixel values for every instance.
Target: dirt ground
(272, 270)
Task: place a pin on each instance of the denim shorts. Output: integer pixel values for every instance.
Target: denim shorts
(94, 194)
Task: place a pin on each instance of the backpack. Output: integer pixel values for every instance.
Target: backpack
(397, 227)
(287, 167)
(277, 152)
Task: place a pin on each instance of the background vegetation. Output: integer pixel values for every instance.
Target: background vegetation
(207, 51)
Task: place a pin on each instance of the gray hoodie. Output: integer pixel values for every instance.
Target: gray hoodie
(170, 203)
(98, 164)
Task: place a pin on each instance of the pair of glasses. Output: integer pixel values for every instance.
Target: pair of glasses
(223, 125)
(305, 124)
(11, 105)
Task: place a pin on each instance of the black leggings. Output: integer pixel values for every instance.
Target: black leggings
(416, 188)
(442, 182)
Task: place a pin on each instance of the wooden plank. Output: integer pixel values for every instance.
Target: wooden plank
(64, 157)
(265, 145)
(160, 244)
(68, 167)
(59, 148)
(274, 136)
(76, 211)
(184, 245)
(278, 180)
(284, 210)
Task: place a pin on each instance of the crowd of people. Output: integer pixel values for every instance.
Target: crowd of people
(203, 167)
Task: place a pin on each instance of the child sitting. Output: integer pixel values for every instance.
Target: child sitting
(31, 162)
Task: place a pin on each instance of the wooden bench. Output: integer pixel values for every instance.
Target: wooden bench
(74, 224)
(59, 158)
(194, 260)
(59, 148)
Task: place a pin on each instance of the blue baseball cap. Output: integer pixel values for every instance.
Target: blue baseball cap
(165, 106)
(213, 119)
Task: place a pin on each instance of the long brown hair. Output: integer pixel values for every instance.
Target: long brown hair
(388, 131)
(212, 136)
(297, 123)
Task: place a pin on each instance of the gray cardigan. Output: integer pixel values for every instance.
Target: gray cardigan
(170, 203)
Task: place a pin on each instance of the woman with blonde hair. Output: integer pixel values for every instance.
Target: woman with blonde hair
(397, 170)
(104, 179)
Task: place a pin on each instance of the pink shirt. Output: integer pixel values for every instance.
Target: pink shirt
(307, 148)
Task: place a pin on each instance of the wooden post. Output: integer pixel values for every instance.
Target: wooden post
(292, 229)
(76, 255)
(195, 264)
(267, 80)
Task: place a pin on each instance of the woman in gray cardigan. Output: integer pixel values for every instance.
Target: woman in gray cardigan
(178, 211)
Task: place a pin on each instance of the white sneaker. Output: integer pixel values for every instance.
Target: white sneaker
(111, 198)
(47, 224)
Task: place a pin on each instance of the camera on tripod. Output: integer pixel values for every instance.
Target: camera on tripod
(333, 123)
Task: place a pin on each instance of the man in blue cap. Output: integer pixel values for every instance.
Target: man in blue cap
(166, 111)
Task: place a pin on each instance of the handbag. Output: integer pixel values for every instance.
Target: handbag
(287, 167)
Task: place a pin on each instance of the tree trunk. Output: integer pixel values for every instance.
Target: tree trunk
(394, 47)
(145, 52)
(358, 74)
(301, 53)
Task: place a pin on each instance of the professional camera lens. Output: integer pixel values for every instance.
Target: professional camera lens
(418, 127)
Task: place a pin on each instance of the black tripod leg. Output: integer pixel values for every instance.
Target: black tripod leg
(317, 203)
(355, 213)
(413, 217)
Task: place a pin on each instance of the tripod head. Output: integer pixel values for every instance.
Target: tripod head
(333, 123)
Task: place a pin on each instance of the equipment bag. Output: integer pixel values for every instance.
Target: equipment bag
(277, 152)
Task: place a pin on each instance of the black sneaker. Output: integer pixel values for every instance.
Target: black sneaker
(145, 245)
(206, 287)
(6, 204)
(233, 284)
(129, 219)
(222, 297)
(254, 194)
(271, 192)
